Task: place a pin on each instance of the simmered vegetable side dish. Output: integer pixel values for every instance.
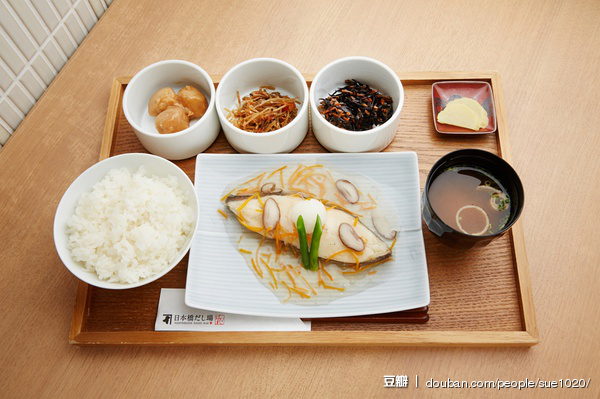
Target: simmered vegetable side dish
(174, 111)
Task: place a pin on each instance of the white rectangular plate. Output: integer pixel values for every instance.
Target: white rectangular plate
(218, 278)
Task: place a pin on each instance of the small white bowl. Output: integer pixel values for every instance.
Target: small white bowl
(249, 76)
(175, 74)
(333, 76)
(66, 208)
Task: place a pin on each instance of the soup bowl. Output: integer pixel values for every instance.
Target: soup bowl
(494, 165)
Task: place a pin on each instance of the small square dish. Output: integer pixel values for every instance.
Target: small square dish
(444, 92)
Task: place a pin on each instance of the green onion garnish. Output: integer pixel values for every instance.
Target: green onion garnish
(314, 245)
(303, 242)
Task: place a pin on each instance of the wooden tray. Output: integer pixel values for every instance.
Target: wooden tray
(478, 297)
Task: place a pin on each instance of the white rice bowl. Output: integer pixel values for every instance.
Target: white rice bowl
(131, 226)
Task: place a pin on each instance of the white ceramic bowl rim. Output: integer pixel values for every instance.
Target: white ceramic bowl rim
(303, 108)
(397, 107)
(157, 65)
(69, 263)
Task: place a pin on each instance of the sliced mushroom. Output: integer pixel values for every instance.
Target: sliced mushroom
(348, 191)
(382, 226)
(271, 214)
(270, 188)
(350, 238)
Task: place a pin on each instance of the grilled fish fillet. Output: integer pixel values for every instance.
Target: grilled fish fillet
(250, 215)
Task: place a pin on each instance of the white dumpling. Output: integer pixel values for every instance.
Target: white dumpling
(309, 209)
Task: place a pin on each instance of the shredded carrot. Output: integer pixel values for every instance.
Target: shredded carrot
(291, 277)
(295, 177)
(328, 287)
(246, 190)
(368, 266)
(262, 240)
(277, 170)
(358, 270)
(372, 199)
(277, 241)
(281, 179)
(322, 188)
(254, 178)
(393, 244)
(343, 201)
(277, 270)
(296, 290)
(331, 287)
(258, 210)
(351, 252)
(290, 293)
(271, 272)
(311, 194)
(240, 240)
(251, 228)
(260, 180)
(293, 234)
(292, 177)
(259, 199)
(258, 271)
(245, 251)
(305, 177)
(330, 176)
(227, 195)
(245, 203)
(306, 168)
(335, 204)
(223, 214)
(284, 230)
(356, 258)
(322, 176)
(304, 290)
(272, 286)
(326, 273)
(355, 221)
(366, 208)
(335, 254)
(372, 272)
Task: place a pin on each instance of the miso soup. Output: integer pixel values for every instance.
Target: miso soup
(470, 200)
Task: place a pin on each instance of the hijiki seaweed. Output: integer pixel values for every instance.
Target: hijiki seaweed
(356, 107)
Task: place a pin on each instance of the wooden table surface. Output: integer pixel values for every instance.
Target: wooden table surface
(548, 54)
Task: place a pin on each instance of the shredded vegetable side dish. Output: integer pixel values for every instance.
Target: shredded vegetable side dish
(262, 111)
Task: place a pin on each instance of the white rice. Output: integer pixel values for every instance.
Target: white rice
(130, 226)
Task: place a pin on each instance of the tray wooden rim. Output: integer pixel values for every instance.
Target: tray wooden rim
(526, 337)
